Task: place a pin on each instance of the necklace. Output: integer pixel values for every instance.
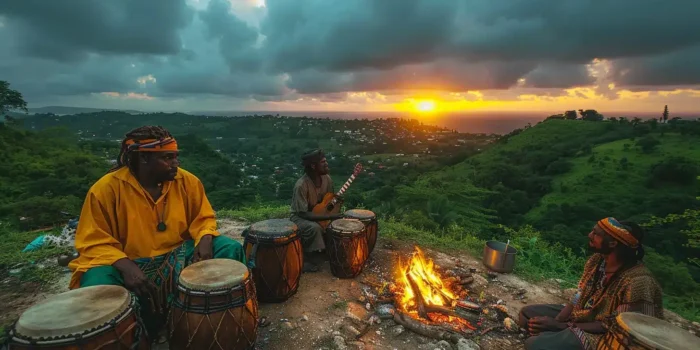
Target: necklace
(161, 225)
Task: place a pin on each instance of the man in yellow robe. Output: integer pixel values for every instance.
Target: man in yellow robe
(143, 222)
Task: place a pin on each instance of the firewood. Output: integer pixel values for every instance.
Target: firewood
(426, 330)
(452, 312)
(467, 280)
(420, 302)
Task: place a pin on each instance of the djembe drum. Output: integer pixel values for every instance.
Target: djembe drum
(274, 253)
(370, 220)
(635, 331)
(215, 307)
(96, 317)
(347, 247)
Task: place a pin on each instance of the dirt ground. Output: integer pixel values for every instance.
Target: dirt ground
(327, 312)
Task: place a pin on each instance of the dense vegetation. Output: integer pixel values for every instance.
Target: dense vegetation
(543, 186)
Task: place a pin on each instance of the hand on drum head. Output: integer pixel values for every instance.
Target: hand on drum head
(134, 279)
(204, 250)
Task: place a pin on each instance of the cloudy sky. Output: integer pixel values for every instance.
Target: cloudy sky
(354, 55)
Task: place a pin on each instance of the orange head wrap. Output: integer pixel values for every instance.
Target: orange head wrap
(153, 145)
(615, 229)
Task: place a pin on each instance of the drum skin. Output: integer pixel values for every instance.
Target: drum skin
(122, 331)
(225, 317)
(278, 258)
(347, 247)
(634, 331)
(371, 226)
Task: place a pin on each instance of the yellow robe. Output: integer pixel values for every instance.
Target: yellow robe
(119, 219)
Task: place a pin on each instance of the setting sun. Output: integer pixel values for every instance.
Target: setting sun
(426, 106)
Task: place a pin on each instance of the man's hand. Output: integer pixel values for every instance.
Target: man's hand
(134, 279)
(204, 250)
(540, 324)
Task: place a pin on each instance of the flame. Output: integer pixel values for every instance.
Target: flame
(428, 280)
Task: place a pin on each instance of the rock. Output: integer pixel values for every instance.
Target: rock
(287, 325)
(553, 291)
(696, 325)
(339, 343)
(466, 344)
(479, 280)
(569, 293)
(368, 306)
(349, 330)
(444, 345)
(356, 312)
(374, 319)
(385, 311)
(304, 318)
(396, 330)
(356, 345)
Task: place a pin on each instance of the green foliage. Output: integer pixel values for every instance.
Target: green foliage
(10, 99)
(648, 144)
(255, 213)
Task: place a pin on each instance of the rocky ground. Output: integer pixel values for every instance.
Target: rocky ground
(331, 313)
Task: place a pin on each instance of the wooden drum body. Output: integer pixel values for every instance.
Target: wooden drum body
(371, 226)
(96, 317)
(347, 247)
(215, 307)
(634, 331)
(274, 253)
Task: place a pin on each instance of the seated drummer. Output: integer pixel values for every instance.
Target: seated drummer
(614, 280)
(308, 192)
(142, 222)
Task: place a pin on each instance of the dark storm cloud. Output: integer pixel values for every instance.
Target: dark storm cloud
(676, 68)
(559, 76)
(61, 30)
(236, 38)
(331, 47)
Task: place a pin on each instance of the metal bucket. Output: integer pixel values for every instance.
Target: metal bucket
(496, 259)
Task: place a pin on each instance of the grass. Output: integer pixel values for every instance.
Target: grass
(11, 256)
(604, 176)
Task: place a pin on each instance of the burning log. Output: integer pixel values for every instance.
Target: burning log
(420, 303)
(426, 330)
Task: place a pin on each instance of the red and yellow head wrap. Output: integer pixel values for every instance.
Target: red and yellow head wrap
(615, 229)
(152, 145)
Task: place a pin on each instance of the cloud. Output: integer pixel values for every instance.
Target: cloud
(63, 31)
(325, 51)
(679, 67)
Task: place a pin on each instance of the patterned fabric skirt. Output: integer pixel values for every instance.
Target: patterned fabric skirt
(163, 271)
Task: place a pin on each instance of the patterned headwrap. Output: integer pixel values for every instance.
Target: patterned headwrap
(152, 145)
(615, 229)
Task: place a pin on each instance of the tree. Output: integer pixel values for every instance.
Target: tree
(10, 99)
(648, 144)
(570, 114)
(590, 115)
(665, 115)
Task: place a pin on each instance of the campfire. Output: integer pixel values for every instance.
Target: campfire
(435, 301)
(423, 293)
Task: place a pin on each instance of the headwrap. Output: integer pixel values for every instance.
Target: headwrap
(615, 229)
(312, 157)
(152, 145)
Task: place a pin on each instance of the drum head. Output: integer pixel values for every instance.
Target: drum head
(213, 274)
(347, 225)
(657, 333)
(361, 214)
(273, 228)
(73, 312)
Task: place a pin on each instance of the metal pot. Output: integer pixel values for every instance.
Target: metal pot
(497, 259)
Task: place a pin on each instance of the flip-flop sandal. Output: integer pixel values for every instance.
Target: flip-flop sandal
(308, 267)
(264, 322)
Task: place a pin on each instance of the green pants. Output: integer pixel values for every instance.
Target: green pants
(222, 247)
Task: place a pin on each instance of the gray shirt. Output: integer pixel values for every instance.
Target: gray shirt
(307, 195)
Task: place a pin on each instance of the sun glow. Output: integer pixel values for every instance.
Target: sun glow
(425, 106)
